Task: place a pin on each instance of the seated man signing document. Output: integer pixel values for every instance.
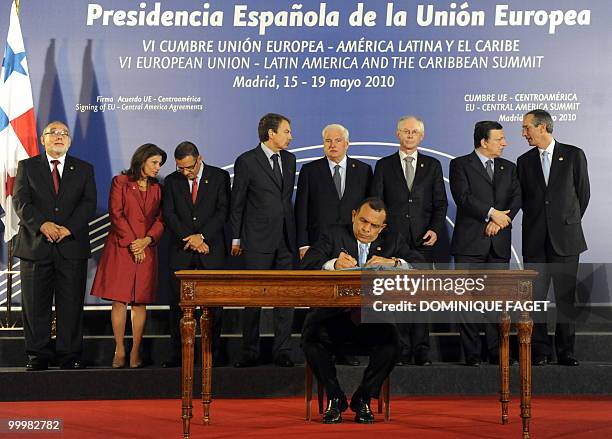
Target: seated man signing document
(365, 243)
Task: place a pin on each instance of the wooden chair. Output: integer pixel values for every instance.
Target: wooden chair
(383, 398)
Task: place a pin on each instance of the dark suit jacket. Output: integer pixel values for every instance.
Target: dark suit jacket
(208, 216)
(317, 204)
(338, 237)
(474, 195)
(413, 212)
(260, 209)
(556, 209)
(35, 202)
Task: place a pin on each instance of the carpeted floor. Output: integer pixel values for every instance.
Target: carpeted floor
(422, 418)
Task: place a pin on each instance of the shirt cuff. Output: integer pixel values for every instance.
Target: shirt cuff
(329, 265)
(236, 241)
(404, 265)
(488, 218)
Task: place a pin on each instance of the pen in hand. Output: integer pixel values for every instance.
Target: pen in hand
(346, 260)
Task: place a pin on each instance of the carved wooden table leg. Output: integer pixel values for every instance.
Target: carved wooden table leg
(188, 325)
(206, 328)
(525, 326)
(504, 365)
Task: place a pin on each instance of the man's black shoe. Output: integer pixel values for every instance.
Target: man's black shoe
(422, 360)
(283, 360)
(348, 360)
(172, 362)
(246, 361)
(363, 412)
(72, 364)
(404, 359)
(540, 361)
(568, 360)
(473, 362)
(35, 364)
(333, 412)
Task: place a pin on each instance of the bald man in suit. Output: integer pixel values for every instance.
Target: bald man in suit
(412, 186)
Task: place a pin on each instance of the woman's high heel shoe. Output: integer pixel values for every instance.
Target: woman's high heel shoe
(135, 363)
(118, 362)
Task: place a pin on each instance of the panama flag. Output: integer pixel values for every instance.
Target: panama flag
(17, 123)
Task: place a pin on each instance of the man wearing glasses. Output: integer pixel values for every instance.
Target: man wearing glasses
(55, 198)
(195, 207)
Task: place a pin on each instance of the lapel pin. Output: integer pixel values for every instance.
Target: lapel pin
(378, 249)
(72, 168)
(353, 165)
(422, 165)
(133, 187)
(560, 158)
(206, 181)
(501, 167)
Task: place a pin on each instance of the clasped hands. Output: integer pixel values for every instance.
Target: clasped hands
(498, 220)
(54, 232)
(138, 246)
(347, 261)
(196, 243)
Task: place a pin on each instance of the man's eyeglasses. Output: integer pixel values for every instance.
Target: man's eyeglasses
(187, 168)
(60, 133)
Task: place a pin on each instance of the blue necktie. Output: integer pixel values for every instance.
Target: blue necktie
(545, 166)
(363, 254)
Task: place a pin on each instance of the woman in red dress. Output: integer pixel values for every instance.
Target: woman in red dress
(127, 272)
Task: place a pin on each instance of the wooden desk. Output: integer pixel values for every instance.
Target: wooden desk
(284, 288)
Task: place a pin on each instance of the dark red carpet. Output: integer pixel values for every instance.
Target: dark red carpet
(423, 418)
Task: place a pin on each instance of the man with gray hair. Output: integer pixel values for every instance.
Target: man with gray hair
(328, 190)
(555, 186)
(411, 185)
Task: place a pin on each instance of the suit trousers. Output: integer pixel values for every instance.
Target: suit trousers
(562, 271)
(281, 259)
(41, 282)
(320, 342)
(175, 314)
(414, 337)
(468, 328)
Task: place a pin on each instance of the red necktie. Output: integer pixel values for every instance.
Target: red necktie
(55, 175)
(194, 190)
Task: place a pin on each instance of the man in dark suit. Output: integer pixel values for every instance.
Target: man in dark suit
(55, 198)
(195, 204)
(555, 184)
(487, 193)
(263, 226)
(328, 190)
(411, 185)
(362, 244)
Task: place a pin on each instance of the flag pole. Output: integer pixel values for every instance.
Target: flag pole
(9, 323)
